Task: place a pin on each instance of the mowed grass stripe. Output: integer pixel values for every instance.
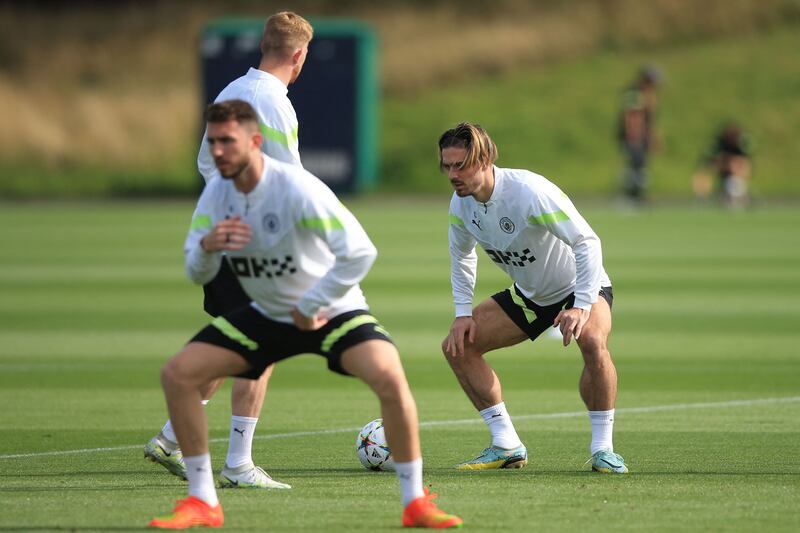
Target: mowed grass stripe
(93, 300)
(440, 423)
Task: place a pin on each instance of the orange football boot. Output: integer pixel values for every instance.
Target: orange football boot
(190, 512)
(422, 512)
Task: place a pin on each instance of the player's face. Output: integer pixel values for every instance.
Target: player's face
(469, 181)
(231, 146)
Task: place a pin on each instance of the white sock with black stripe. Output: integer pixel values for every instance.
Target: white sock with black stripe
(499, 423)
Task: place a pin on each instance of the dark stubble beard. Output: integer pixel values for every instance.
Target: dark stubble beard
(238, 172)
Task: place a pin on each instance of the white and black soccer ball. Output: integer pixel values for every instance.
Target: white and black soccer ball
(372, 449)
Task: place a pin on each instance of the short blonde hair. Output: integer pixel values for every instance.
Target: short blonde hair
(481, 150)
(284, 33)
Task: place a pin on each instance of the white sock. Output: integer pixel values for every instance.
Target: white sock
(168, 433)
(201, 478)
(240, 441)
(410, 477)
(499, 422)
(602, 430)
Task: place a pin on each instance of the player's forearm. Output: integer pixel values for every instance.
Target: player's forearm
(588, 270)
(463, 273)
(343, 276)
(201, 266)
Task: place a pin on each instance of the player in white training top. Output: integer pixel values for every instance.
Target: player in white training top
(284, 47)
(300, 256)
(533, 232)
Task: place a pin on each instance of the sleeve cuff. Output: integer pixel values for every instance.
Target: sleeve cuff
(203, 259)
(307, 308)
(200, 264)
(582, 303)
(463, 310)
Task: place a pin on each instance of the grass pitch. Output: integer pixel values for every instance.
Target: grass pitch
(707, 303)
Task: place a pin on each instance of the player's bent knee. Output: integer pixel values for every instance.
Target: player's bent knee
(593, 343)
(390, 387)
(596, 355)
(170, 373)
(176, 373)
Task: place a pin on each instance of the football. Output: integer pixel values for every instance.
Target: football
(372, 449)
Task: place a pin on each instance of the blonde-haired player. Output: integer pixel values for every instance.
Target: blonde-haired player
(284, 47)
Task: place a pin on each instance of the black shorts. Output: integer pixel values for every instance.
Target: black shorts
(262, 341)
(535, 319)
(224, 293)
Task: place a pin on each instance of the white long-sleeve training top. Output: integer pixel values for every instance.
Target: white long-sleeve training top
(307, 250)
(276, 117)
(533, 232)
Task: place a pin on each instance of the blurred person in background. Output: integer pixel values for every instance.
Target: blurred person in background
(284, 47)
(729, 160)
(636, 132)
(534, 233)
(300, 256)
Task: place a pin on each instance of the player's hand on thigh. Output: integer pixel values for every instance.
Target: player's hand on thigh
(488, 329)
(307, 323)
(463, 327)
(571, 322)
(596, 330)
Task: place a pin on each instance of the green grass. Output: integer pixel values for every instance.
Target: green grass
(93, 300)
(560, 119)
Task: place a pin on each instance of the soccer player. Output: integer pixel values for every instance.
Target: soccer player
(531, 230)
(300, 256)
(284, 47)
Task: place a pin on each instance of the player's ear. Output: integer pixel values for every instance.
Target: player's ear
(296, 56)
(257, 139)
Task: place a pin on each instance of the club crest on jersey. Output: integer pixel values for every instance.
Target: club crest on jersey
(270, 223)
(507, 225)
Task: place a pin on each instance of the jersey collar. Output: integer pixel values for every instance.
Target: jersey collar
(273, 81)
(497, 190)
(260, 190)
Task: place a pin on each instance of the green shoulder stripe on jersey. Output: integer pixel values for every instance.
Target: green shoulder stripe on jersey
(331, 338)
(455, 220)
(230, 331)
(530, 316)
(272, 134)
(547, 218)
(200, 222)
(324, 224)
